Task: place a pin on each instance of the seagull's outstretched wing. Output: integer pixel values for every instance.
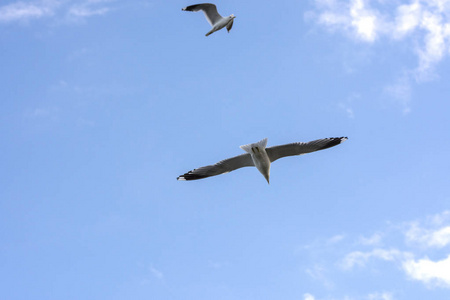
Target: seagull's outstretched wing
(222, 167)
(210, 11)
(230, 25)
(277, 152)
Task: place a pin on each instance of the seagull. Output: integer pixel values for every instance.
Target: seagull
(260, 157)
(210, 10)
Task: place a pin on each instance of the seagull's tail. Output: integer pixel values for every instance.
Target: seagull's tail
(261, 144)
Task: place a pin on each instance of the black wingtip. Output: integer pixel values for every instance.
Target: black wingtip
(334, 142)
(190, 176)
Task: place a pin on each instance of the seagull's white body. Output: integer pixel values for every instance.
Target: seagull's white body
(261, 157)
(212, 16)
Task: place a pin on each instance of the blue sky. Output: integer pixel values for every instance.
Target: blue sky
(104, 103)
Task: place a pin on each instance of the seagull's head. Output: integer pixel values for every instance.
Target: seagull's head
(232, 16)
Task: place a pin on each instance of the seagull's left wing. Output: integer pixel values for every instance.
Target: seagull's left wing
(277, 152)
(210, 11)
(222, 167)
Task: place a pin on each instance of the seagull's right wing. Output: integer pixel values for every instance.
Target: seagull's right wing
(277, 152)
(229, 26)
(222, 167)
(210, 11)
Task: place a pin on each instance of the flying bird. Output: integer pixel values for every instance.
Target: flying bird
(260, 157)
(217, 21)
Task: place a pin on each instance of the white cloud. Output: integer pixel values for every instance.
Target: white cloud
(217, 264)
(360, 258)
(336, 239)
(363, 20)
(431, 233)
(371, 296)
(82, 11)
(440, 238)
(429, 238)
(401, 92)
(25, 11)
(425, 23)
(318, 273)
(436, 42)
(43, 113)
(355, 17)
(308, 297)
(428, 20)
(380, 296)
(407, 19)
(347, 104)
(440, 219)
(76, 9)
(430, 272)
(89, 8)
(373, 240)
(409, 252)
(156, 273)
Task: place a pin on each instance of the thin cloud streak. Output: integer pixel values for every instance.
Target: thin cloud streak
(401, 92)
(425, 23)
(433, 233)
(156, 273)
(308, 297)
(380, 296)
(89, 8)
(411, 248)
(23, 12)
(359, 258)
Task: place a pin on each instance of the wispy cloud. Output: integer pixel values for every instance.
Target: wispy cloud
(347, 105)
(425, 23)
(432, 233)
(318, 272)
(360, 258)
(89, 8)
(217, 264)
(380, 296)
(373, 240)
(371, 296)
(425, 20)
(355, 17)
(24, 12)
(308, 297)
(43, 113)
(156, 273)
(432, 273)
(417, 250)
(401, 92)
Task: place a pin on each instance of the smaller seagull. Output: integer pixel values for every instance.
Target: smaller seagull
(217, 21)
(261, 157)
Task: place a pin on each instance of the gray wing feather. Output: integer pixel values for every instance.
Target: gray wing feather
(224, 166)
(229, 26)
(210, 11)
(277, 152)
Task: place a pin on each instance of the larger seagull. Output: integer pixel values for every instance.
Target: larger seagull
(217, 21)
(260, 157)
